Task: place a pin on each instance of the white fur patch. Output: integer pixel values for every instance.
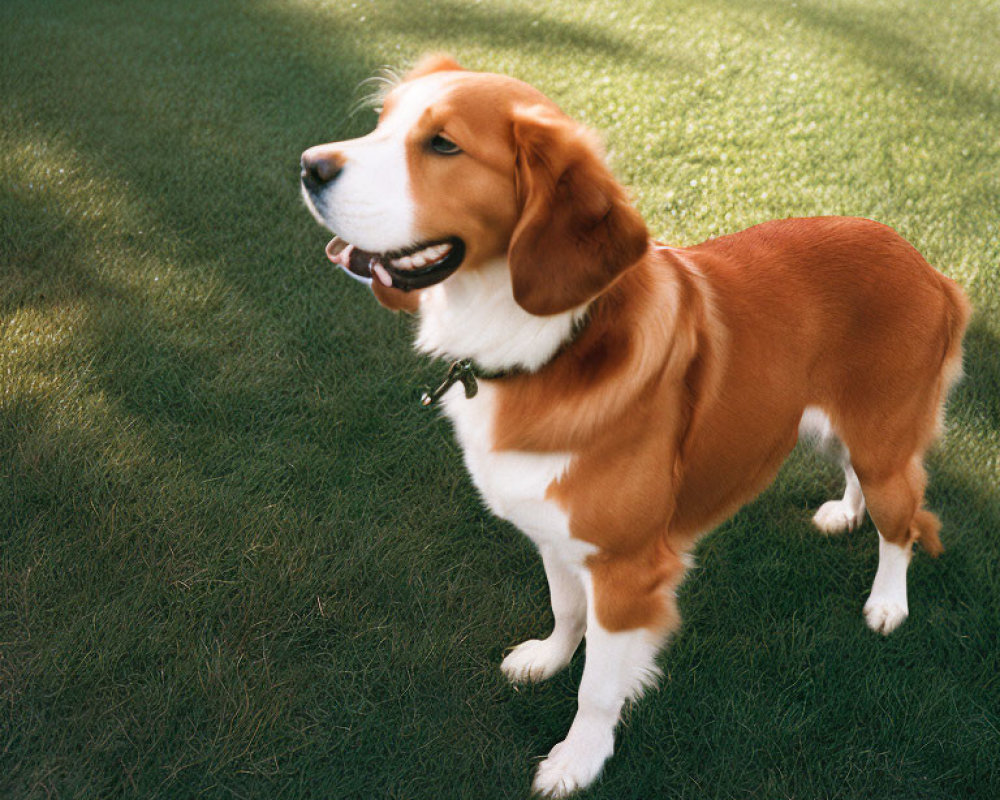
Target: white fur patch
(512, 483)
(887, 608)
(815, 424)
(473, 314)
(370, 204)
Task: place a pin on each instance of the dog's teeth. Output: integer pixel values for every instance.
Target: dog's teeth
(380, 272)
(422, 258)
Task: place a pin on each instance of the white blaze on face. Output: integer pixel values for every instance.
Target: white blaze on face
(370, 204)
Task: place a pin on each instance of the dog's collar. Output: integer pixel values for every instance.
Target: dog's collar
(466, 371)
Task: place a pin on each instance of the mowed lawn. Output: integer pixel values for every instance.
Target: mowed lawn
(238, 559)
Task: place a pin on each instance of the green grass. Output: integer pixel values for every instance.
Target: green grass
(238, 560)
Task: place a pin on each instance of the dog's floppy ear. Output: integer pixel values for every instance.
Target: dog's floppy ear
(433, 62)
(577, 231)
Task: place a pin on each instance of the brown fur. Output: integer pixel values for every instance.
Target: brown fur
(576, 232)
(683, 394)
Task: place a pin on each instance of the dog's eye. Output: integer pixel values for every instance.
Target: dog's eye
(444, 147)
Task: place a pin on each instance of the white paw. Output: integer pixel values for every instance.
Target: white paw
(884, 615)
(535, 660)
(572, 765)
(837, 516)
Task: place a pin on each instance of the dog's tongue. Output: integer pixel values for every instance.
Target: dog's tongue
(357, 263)
(339, 252)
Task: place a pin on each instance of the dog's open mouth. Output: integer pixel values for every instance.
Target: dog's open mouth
(414, 268)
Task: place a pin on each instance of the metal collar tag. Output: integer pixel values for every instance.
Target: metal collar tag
(463, 371)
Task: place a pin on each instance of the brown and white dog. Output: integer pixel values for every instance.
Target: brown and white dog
(638, 394)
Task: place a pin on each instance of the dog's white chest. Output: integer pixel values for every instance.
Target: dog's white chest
(512, 483)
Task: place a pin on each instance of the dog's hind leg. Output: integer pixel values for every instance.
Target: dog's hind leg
(846, 514)
(894, 504)
(538, 659)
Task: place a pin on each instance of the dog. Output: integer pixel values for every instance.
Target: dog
(621, 397)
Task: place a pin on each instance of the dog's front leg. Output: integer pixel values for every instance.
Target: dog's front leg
(538, 659)
(620, 663)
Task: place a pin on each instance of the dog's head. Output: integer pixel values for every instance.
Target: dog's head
(466, 168)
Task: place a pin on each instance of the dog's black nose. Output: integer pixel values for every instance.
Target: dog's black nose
(319, 169)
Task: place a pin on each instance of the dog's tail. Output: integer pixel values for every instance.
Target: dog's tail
(925, 528)
(958, 311)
